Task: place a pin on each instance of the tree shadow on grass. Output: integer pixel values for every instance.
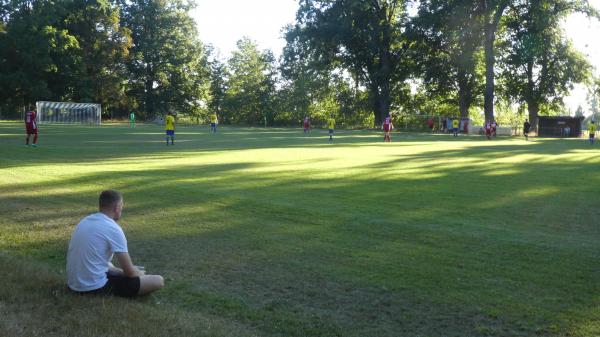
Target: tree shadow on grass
(75, 144)
(462, 252)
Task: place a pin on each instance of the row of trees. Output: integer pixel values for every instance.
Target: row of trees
(358, 59)
(454, 50)
(141, 55)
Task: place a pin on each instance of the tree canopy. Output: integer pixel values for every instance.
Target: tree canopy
(360, 60)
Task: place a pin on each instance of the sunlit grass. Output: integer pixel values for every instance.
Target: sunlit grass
(270, 232)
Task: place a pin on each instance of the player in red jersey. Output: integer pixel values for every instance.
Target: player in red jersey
(31, 127)
(306, 125)
(488, 130)
(387, 127)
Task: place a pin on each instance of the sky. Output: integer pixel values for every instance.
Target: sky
(585, 34)
(223, 22)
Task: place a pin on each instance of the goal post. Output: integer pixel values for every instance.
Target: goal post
(68, 113)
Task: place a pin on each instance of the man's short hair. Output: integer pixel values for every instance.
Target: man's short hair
(109, 198)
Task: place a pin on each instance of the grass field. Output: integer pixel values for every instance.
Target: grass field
(266, 232)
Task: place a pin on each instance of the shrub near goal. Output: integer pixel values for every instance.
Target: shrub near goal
(68, 113)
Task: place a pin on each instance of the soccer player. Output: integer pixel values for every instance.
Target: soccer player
(170, 128)
(306, 124)
(430, 124)
(488, 130)
(132, 120)
(494, 128)
(526, 128)
(213, 122)
(387, 128)
(592, 131)
(31, 127)
(96, 239)
(455, 125)
(331, 126)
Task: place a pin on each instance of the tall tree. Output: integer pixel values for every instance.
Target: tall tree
(306, 79)
(37, 54)
(364, 38)
(250, 85)
(448, 35)
(492, 11)
(168, 65)
(540, 65)
(218, 88)
(103, 48)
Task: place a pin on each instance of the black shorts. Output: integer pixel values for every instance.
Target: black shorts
(118, 285)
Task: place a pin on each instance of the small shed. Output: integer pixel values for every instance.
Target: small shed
(559, 126)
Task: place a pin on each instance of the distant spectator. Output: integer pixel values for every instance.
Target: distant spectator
(526, 128)
(430, 124)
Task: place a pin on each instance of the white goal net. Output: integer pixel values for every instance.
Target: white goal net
(69, 113)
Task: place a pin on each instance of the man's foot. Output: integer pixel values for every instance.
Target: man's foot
(34, 145)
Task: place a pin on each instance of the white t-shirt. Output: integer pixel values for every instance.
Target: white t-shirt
(93, 243)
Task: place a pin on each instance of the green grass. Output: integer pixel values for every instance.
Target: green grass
(270, 233)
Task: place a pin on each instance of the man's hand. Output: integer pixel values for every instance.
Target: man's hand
(129, 270)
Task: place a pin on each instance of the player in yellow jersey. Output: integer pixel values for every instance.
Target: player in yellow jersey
(331, 126)
(213, 123)
(592, 131)
(170, 128)
(455, 125)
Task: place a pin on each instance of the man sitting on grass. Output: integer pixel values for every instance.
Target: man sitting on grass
(94, 242)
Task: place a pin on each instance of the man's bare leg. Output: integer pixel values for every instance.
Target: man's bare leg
(150, 283)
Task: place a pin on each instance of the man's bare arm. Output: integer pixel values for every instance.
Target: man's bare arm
(129, 270)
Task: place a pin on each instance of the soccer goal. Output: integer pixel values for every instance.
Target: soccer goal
(68, 113)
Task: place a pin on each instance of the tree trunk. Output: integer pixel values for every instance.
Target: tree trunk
(494, 15)
(383, 79)
(381, 102)
(384, 101)
(148, 98)
(533, 107)
(375, 104)
(465, 96)
(490, 60)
